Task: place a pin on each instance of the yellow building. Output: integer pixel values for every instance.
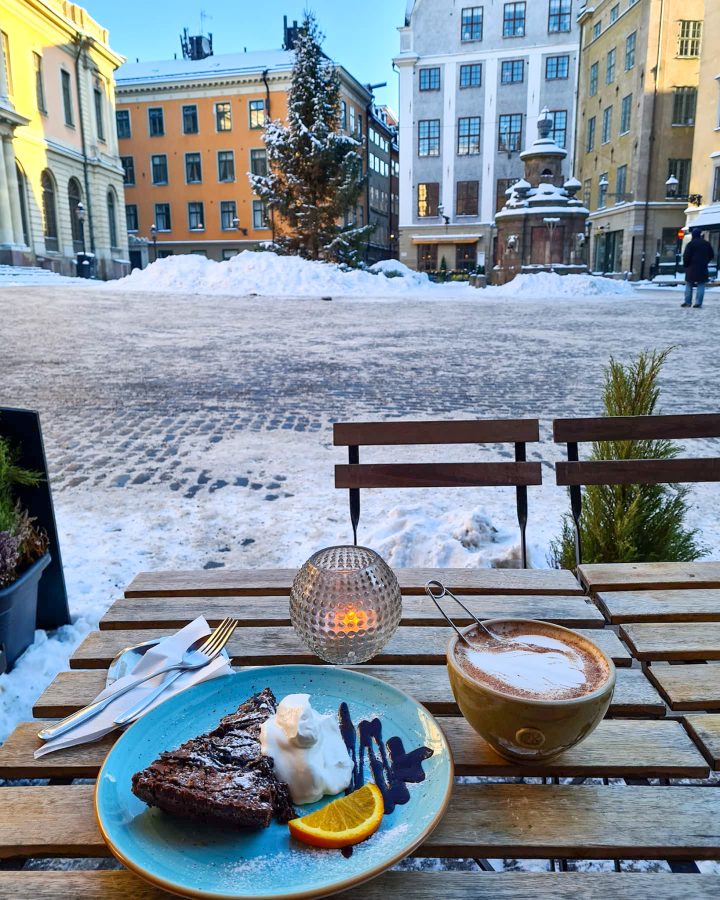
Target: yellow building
(638, 80)
(704, 208)
(61, 182)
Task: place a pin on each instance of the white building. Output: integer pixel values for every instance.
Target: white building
(473, 78)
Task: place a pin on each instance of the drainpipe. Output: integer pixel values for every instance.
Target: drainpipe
(646, 212)
(81, 45)
(368, 114)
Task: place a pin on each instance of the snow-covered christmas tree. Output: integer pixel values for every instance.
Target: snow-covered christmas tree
(314, 178)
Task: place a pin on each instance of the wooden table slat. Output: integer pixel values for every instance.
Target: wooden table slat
(482, 820)
(240, 582)
(634, 695)
(669, 641)
(617, 748)
(705, 731)
(699, 605)
(123, 885)
(174, 612)
(261, 646)
(688, 687)
(649, 576)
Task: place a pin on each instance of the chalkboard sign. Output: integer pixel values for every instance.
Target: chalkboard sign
(22, 428)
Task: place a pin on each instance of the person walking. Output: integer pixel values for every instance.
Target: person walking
(696, 257)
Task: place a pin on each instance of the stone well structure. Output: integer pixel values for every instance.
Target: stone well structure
(542, 227)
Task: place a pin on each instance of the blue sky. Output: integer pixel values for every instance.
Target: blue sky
(362, 36)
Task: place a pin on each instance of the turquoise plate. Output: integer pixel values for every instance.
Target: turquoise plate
(202, 861)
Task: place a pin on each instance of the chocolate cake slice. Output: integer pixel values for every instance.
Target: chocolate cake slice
(221, 777)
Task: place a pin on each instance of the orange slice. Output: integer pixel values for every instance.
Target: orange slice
(343, 822)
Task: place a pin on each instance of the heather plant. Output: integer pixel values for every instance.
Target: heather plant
(631, 522)
(21, 542)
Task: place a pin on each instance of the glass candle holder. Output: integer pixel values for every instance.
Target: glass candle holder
(345, 604)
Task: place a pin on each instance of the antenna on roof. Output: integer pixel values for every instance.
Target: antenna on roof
(290, 33)
(196, 46)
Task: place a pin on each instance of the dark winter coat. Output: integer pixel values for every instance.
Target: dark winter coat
(698, 253)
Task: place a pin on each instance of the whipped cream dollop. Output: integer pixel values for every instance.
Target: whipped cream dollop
(307, 749)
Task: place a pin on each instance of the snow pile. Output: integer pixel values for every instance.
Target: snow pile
(551, 285)
(266, 273)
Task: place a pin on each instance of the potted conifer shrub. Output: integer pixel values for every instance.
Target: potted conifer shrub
(23, 558)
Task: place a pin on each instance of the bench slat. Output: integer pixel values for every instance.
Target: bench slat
(123, 885)
(251, 646)
(688, 687)
(665, 641)
(485, 820)
(637, 471)
(661, 606)
(705, 731)
(634, 695)
(441, 475)
(649, 576)
(617, 748)
(174, 612)
(618, 428)
(239, 582)
(460, 431)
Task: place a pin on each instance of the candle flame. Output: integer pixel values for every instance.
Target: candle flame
(349, 620)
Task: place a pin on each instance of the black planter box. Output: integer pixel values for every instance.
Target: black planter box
(18, 609)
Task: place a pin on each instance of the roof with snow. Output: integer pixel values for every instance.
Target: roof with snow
(212, 66)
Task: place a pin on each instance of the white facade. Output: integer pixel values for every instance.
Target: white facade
(527, 57)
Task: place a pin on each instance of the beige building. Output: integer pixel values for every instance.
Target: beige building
(639, 72)
(704, 207)
(61, 182)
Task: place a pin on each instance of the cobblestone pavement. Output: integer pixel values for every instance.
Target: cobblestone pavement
(132, 387)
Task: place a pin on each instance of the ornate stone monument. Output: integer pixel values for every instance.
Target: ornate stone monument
(542, 227)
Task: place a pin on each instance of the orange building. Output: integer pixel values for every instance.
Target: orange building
(189, 132)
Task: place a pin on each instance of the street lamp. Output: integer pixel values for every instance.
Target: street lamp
(153, 235)
(551, 222)
(236, 226)
(80, 214)
(671, 186)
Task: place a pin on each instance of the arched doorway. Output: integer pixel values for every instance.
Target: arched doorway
(50, 230)
(22, 191)
(76, 223)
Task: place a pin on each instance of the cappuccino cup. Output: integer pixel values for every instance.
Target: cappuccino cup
(533, 693)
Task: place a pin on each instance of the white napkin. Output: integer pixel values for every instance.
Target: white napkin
(170, 649)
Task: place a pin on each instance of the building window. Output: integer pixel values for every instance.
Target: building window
(429, 137)
(67, 96)
(122, 123)
(621, 184)
(625, 114)
(50, 231)
(587, 192)
(193, 168)
(223, 116)
(228, 213)
(514, 20)
(602, 190)
(226, 165)
(689, 37)
(512, 71)
(471, 26)
(428, 199)
(615, 13)
(630, 42)
(557, 68)
(112, 220)
(610, 67)
(501, 188)
(5, 41)
(159, 169)
(597, 30)
(257, 113)
(162, 217)
(258, 162)
(427, 255)
(128, 164)
(684, 102)
(716, 185)
(465, 257)
(510, 132)
(131, 217)
(343, 115)
(259, 210)
(76, 226)
(559, 15)
(607, 125)
(467, 198)
(680, 168)
(468, 136)
(590, 135)
(39, 83)
(156, 121)
(594, 79)
(99, 117)
(196, 216)
(559, 129)
(190, 119)
(359, 125)
(471, 75)
(430, 79)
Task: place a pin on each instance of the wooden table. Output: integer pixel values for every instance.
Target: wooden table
(641, 740)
